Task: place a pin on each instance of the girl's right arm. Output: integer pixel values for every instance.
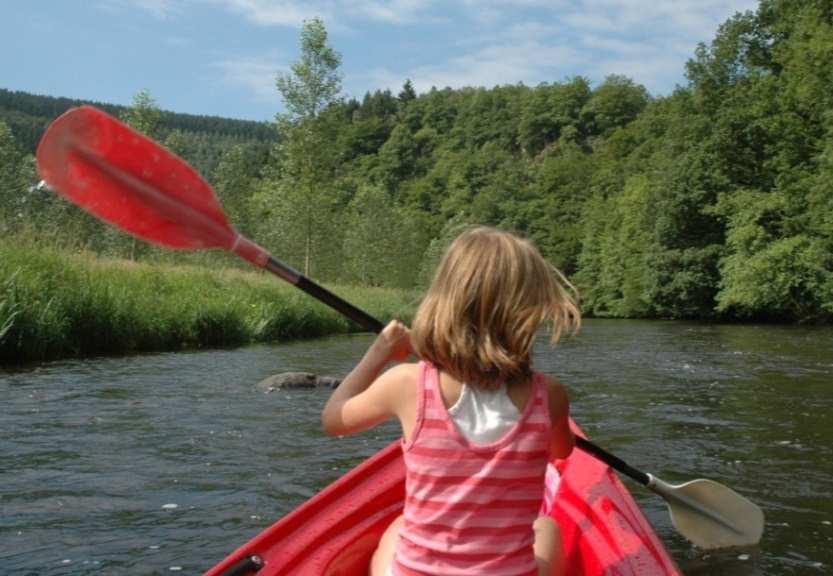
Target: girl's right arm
(563, 439)
(366, 398)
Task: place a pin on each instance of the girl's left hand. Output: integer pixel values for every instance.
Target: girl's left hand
(393, 342)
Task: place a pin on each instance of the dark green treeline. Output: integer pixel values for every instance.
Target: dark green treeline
(714, 202)
(203, 139)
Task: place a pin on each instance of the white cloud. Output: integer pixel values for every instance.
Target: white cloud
(500, 12)
(652, 71)
(334, 12)
(496, 64)
(392, 12)
(514, 4)
(532, 41)
(646, 40)
(279, 12)
(616, 45)
(527, 29)
(688, 17)
(594, 38)
(496, 41)
(161, 9)
(255, 74)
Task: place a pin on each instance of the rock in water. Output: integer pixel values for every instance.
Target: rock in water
(329, 381)
(295, 380)
(287, 380)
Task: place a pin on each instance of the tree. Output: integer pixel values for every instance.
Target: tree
(144, 115)
(407, 93)
(306, 153)
(315, 81)
(396, 158)
(766, 273)
(177, 142)
(562, 183)
(548, 110)
(235, 180)
(23, 204)
(13, 181)
(371, 237)
(617, 101)
(764, 86)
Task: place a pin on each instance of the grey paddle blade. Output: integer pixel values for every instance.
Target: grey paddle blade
(711, 515)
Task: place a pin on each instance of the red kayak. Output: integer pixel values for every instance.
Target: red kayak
(336, 531)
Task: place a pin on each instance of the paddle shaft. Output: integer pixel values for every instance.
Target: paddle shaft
(323, 295)
(613, 461)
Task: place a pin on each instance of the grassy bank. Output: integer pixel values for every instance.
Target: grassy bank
(56, 304)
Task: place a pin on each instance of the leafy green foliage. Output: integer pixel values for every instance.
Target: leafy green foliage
(616, 102)
(715, 201)
(144, 115)
(315, 81)
(300, 188)
(201, 139)
(12, 178)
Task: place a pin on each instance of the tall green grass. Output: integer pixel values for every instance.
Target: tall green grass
(56, 303)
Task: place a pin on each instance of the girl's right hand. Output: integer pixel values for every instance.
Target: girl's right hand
(393, 343)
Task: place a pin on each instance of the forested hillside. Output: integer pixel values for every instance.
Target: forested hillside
(713, 202)
(204, 137)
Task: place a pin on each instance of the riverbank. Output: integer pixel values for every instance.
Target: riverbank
(58, 304)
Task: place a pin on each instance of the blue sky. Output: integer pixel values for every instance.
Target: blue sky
(221, 56)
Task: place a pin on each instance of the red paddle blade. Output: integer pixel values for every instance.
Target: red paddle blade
(127, 179)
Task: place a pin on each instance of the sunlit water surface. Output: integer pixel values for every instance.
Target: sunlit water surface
(166, 463)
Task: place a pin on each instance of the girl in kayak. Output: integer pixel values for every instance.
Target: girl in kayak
(478, 424)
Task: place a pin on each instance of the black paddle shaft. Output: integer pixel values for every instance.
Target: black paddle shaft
(323, 295)
(613, 461)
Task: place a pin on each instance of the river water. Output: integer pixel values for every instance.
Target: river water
(165, 463)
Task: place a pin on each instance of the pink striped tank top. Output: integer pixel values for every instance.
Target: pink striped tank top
(469, 508)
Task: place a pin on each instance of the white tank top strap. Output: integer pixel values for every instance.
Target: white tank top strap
(484, 415)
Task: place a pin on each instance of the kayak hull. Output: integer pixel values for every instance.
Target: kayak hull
(335, 532)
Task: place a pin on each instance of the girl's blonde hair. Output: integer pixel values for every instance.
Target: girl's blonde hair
(490, 294)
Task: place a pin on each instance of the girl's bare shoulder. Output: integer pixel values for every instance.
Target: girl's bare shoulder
(399, 387)
(404, 373)
(559, 400)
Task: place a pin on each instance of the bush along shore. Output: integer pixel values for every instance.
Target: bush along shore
(58, 304)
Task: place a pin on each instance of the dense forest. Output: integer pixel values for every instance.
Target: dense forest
(204, 139)
(713, 202)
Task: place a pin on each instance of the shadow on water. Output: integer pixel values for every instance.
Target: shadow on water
(145, 464)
